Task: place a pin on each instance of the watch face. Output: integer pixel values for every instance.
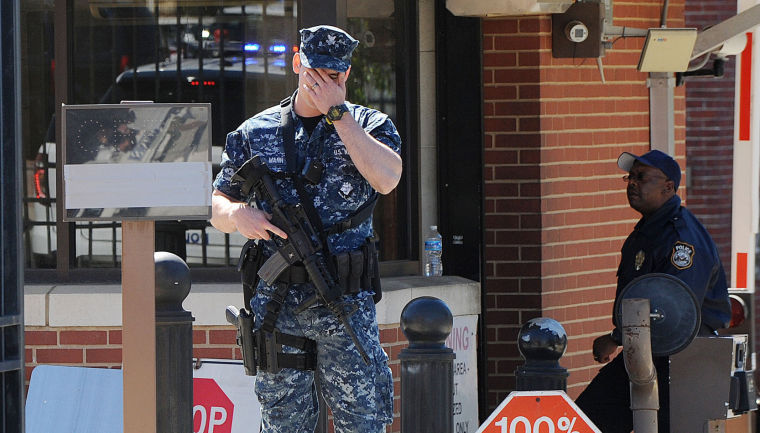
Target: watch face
(336, 112)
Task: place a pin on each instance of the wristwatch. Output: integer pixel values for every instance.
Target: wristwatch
(336, 113)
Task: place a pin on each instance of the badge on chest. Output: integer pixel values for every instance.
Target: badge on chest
(682, 256)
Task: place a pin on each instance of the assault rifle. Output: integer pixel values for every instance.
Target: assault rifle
(302, 244)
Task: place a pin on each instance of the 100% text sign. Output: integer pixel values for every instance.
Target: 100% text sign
(538, 412)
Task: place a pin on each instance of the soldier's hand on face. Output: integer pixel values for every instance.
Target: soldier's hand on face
(603, 349)
(255, 223)
(326, 87)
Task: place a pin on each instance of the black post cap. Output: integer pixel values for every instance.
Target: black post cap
(542, 340)
(172, 281)
(426, 322)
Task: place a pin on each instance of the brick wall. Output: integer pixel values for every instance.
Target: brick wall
(101, 347)
(710, 134)
(556, 212)
(512, 191)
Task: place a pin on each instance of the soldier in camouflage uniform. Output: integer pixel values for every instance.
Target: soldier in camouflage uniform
(360, 153)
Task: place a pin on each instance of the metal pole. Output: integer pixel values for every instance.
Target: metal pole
(542, 342)
(427, 368)
(174, 346)
(637, 350)
(11, 264)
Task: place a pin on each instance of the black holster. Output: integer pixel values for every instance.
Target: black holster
(262, 350)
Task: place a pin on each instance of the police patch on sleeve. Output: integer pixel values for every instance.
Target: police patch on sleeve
(682, 256)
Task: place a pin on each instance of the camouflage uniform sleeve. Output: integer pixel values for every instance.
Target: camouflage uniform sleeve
(234, 156)
(381, 127)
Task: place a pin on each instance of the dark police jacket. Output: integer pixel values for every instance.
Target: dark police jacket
(673, 241)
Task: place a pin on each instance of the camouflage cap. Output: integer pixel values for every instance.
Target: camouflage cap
(326, 47)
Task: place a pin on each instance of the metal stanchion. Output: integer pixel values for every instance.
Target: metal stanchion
(174, 346)
(542, 342)
(427, 368)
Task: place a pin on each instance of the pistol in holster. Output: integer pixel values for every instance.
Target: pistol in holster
(243, 321)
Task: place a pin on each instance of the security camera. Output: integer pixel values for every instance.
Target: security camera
(732, 47)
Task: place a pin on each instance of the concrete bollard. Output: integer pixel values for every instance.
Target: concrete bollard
(174, 346)
(427, 367)
(542, 342)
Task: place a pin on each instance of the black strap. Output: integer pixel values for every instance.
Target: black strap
(288, 136)
(300, 361)
(291, 159)
(273, 307)
(289, 141)
(358, 217)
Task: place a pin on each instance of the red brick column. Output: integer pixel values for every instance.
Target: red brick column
(512, 188)
(556, 212)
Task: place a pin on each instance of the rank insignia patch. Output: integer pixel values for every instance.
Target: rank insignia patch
(682, 256)
(345, 190)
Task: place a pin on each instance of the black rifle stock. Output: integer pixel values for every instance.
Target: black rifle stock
(300, 246)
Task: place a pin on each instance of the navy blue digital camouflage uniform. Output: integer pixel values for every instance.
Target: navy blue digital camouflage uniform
(359, 395)
(670, 241)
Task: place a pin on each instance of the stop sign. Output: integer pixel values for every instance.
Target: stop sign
(538, 412)
(212, 409)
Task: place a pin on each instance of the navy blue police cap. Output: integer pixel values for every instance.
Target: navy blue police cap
(656, 159)
(326, 47)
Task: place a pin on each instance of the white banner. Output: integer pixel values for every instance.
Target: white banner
(463, 340)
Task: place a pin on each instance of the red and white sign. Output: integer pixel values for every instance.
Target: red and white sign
(220, 386)
(538, 412)
(212, 409)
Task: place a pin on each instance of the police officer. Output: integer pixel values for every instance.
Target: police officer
(667, 239)
(358, 148)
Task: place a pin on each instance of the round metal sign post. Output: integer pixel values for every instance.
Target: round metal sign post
(675, 314)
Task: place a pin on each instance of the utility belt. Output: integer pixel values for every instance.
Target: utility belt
(262, 349)
(356, 271)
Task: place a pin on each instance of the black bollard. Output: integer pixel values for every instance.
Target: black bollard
(174, 346)
(427, 368)
(542, 342)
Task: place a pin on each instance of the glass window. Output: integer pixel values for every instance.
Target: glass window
(235, 55)
(37, 109)
(372, 83)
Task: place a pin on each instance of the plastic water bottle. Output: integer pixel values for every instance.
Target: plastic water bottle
(433, 267)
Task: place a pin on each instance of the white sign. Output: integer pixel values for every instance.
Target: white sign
(231, 378)
(171, 184)
(463, 340)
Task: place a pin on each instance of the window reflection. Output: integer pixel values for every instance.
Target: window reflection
(235, 55)
(372, 83)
